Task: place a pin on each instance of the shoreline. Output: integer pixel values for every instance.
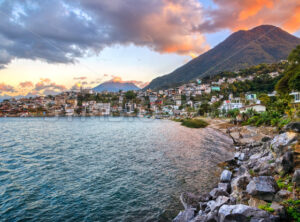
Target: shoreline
(261, 182)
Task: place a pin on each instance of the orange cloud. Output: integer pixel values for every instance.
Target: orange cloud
(4, 88)
(140, 84)
(26, 84)
(253, 7)
(246, 14)
(293, 23)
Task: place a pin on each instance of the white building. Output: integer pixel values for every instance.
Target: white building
(256, 107)
(296, 96)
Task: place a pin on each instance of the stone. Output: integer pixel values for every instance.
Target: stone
(199, 218)
(282, 195)
(218, 192)
(243, 213)
(293, 127)
(254, 202)
(263, 188)
(226, 176)
(241, 157)
(185, 216)
(296, 177)
(215, 205)
(240, 183)
(288, 162)
(189, 200)
(279, 210)
(280, 141)
(205, 197)
(224, 186)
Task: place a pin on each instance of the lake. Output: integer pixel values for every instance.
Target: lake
(103, 169)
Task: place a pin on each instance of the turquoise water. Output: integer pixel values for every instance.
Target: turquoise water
(103, 170)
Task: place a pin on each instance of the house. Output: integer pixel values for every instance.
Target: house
(234, 103)
(215, 88)
(256, 107)
(296, 99)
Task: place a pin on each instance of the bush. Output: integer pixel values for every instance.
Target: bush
(266, 207)
(194, 123)
(292, 207)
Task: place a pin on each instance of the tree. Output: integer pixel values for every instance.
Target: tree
(291, 79)
(130, 95)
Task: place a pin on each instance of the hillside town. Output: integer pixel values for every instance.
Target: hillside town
(208, 97)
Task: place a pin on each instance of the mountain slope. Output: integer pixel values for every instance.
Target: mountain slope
(112, 86)
(242, 49)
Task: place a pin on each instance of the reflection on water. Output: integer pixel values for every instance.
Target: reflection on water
(92, 170)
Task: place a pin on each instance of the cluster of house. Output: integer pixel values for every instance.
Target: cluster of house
(179, 101)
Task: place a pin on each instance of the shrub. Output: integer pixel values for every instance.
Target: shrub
(292, 207)
(266, 207)
(194, 123)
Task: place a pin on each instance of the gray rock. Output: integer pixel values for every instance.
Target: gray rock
(241, 157)
(296, 177)
(224, 186)
(288, 162)
(205, 197)
(293, 127)
(280, 141)
(282, 195)
(199, 218)
(263, 187)
(185, 216)
(189, 200)
(218, 192)
(279, 210)
(226, 176)
(215, 205)
(243, 213)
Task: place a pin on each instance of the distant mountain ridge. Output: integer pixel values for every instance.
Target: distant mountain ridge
(242, 49)
(112, 86)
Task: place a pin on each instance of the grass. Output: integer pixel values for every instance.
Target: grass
(266, 207)
(194, 123)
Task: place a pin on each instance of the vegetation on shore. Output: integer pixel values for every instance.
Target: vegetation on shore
(193, 123)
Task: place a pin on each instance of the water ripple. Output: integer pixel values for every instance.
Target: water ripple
(103, 171)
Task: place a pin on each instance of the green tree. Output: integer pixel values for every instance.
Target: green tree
(291, 79)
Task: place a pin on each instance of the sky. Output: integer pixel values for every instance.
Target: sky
(55, 45)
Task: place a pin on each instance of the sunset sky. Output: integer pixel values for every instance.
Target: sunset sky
(55, 45)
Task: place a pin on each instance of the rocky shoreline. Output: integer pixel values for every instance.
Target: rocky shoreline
(261, 183)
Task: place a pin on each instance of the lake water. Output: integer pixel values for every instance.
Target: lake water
(103, 169)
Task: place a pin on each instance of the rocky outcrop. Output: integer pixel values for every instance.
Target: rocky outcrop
(263, 188)
(248, 190)
(242, 213)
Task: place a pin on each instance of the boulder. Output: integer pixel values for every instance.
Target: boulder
(205, 197)
(243, 213)
(280, 141)
(185, 216)
(218, 192)
(226, 176)
(189, 200)
(279, 210)
(224, 186)
(282, 195)
(263, 188)
(296, 177)
(292, 127)
(215, 205)
(239, 184)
